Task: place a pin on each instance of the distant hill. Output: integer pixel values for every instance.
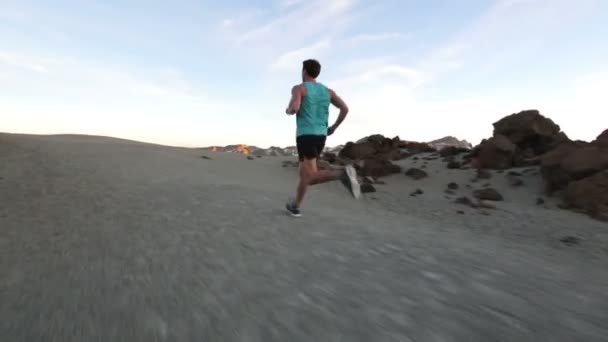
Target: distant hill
(273, 151)
(290, 151)
(449, 141)
(240, 148)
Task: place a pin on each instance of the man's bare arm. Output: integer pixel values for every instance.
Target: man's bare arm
(295, 102)
(340, 104)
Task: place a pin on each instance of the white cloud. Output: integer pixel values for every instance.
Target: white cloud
(289, 3)
(29, 63)
(299, 21)
(290, 60)
(374, 37)
(227, 22)
(363, 77)
(507, 30)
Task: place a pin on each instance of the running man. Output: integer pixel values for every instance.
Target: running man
(310, 101)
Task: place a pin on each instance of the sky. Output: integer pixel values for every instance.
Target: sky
(199, 73)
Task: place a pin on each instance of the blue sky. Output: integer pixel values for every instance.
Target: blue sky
(193, 73)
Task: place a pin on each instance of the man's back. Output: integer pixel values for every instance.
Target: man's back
(314, 111)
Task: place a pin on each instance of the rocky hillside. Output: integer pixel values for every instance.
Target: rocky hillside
(576, 172)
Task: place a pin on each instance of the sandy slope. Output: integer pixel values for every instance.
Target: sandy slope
(112, 240)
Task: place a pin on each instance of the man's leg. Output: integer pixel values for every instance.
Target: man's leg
(308, 168)
(325, 176)
(309, 175)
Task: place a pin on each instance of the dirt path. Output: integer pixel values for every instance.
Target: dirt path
(109, 240)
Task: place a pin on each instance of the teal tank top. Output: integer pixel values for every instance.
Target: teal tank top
(314, 110)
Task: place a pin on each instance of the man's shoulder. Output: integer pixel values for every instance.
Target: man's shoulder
(300, 88)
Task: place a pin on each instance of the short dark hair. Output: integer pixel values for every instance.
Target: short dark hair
(312, 67)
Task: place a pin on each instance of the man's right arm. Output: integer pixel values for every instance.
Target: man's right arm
(340, 104)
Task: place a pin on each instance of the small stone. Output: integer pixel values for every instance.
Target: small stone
(453, 186)
(515, 181)
(450, 192)
(367, 188)
(460, 212)
(570, 240)
(514, 174)
(417, 192)
(484, 204)
(250, 158)
(464, 200)
(204, 157)
(484, 213)
(259, 156)
(540, 201)
(489, 194)
(416, 173)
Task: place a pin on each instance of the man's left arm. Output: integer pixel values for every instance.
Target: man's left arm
(295, 102)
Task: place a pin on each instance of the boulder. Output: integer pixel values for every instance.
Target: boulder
(330, 157)
(483, 174)
(529, 130)
(372, 147)
(452, 164)
(378, 168)
(489, 194)
(589, 194)
(416, 173)
(357, 151)
(602, 139)
(451, 151)
(572, 161)
(495, 153)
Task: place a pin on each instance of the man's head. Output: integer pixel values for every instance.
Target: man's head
(311, 68)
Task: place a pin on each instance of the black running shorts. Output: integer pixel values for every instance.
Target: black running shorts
(310, 146)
